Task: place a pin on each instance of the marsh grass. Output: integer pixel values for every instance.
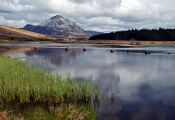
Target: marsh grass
(58, 112)
(62, 98)
(73, 112)
(19, 82)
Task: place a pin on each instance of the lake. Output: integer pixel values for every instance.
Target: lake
(134, 85)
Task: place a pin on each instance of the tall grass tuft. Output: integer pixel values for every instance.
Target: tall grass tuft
(19, 82)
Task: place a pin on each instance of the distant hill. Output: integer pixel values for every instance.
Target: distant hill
(160, 34)
(94, 32)
(58, 26)
(12, 33)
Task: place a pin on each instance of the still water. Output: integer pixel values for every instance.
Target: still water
(142, 86)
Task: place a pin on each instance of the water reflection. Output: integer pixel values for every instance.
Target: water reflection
(143, 85)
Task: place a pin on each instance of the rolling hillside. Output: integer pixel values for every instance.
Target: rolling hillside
(11, 33)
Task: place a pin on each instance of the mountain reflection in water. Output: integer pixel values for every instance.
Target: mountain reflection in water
(143, 85)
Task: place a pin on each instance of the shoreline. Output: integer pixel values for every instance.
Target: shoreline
(5, 50)
(114, 42)
(9, 49)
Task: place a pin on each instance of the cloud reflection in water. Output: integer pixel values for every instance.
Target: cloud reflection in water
(144, 85)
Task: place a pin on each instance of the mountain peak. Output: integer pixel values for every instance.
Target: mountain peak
(58, 26)
(57, 17)
(57, 21)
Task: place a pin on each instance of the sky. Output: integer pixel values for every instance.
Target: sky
(98, 15)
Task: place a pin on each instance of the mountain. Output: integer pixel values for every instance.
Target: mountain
(58, 26)
(12, 33)
(94, 32)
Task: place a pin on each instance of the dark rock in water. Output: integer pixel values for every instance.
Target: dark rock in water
(112, 51)
(84, 50)
(34, 48)
(146, 52)
(66, 49)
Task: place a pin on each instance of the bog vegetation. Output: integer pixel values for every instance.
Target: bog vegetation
(22, 84)
(60, 112)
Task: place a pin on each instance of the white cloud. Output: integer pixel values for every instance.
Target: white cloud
(102, 15)
(16, 23)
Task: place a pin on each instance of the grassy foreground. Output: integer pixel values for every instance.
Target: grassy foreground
(24, 85)
(20, 83)
(59, 112)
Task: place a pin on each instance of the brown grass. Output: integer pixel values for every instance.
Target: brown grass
(60, 112)
(12, 32)
(3, 116)
(128, 42)
(71, 112)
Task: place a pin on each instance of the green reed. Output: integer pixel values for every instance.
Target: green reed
(21, 83)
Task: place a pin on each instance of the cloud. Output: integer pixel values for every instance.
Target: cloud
(101, 15)
(7, 22)
(80, 1)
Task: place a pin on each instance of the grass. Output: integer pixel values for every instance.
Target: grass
(21, 84)
(17, 33)
(59, 112)
(72, 112)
